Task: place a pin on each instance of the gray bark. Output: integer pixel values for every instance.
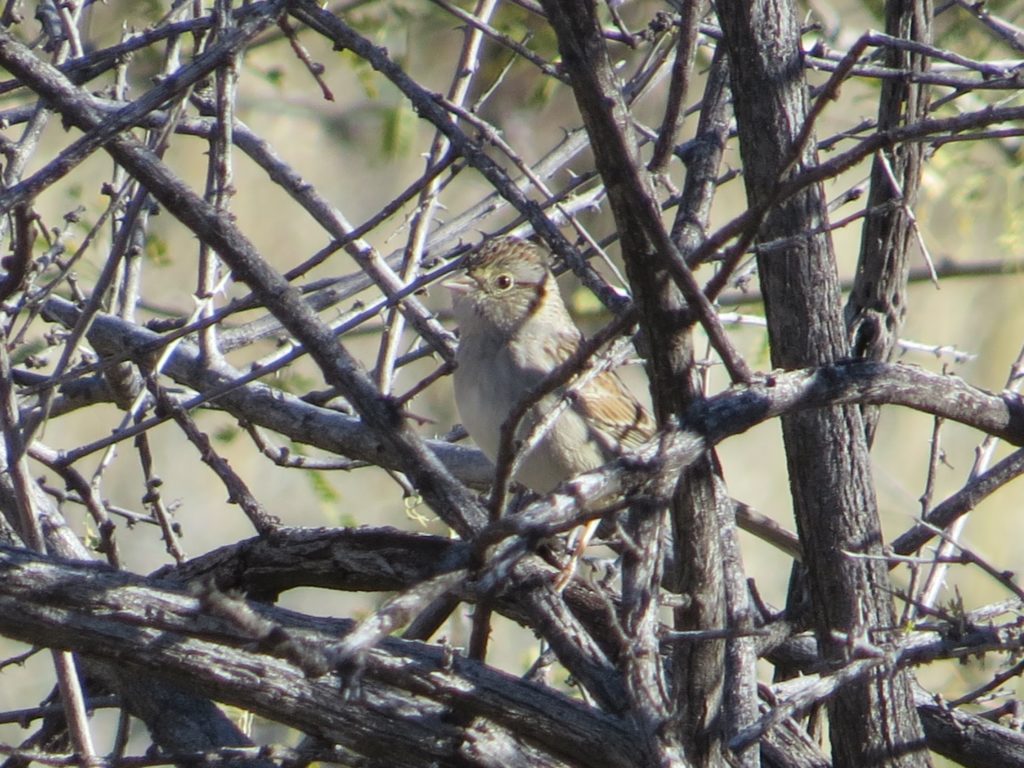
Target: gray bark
(871, 722)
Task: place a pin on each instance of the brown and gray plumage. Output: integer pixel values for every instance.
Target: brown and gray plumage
(514, 331)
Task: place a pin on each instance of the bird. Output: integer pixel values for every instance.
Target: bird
(514, 330)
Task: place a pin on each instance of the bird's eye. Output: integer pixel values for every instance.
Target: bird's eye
(504, 282)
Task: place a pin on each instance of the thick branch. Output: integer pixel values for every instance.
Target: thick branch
(726, 414)
(872, 722)
(864, 383)
(402, 703)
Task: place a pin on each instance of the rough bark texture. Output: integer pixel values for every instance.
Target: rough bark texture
(661, 639)
(389, 706)
(606, 117)
(874, 722)
(706, 552)
(177, 719)
(878, 300)
(699, 673)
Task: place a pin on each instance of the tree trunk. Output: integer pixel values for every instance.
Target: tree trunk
(874, 722)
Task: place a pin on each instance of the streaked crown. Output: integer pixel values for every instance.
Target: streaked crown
(505, 283)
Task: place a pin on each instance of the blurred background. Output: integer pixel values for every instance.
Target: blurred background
(361, 150)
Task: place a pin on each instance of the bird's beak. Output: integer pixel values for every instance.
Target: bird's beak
(459, 283)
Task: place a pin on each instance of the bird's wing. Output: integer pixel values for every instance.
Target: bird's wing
(612, 409)
(605, 402)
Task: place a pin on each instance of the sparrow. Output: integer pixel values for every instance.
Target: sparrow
(514, 330)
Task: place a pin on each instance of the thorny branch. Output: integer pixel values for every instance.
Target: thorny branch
(93, 327)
